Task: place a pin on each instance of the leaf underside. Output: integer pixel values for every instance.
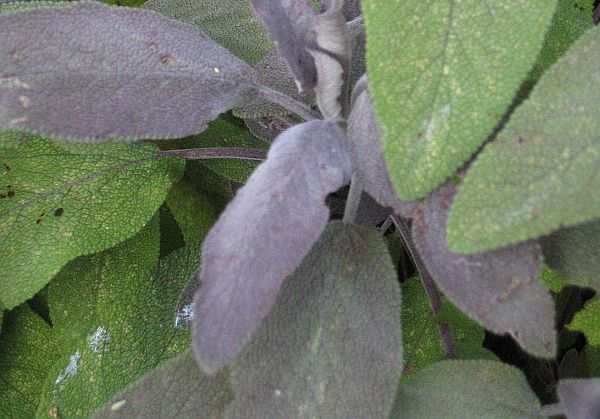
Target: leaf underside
(331, 347)
(263, 235)
(579, 397)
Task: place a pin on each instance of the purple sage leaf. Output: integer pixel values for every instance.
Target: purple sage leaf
(88, 71)
(497, 288)
(263, 235)
(580, 398)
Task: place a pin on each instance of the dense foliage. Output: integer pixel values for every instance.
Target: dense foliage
(286, 208)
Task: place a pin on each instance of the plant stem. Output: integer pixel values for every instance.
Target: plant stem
(216, 153)
(353, 201)
(403, 226)
(287, 102)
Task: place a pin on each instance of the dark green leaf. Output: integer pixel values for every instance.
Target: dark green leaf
(497, 288)
(331, 347)
(580, 398)
(442, 77)
(263, 235)
(27, 350)
(176, 389)
(536, 177)
(467, 390)
(113, 314)
(60, 200)
(84, 70)
(231, 23)
(573, 252)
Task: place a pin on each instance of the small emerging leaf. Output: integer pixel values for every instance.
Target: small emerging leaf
(580, 398)
(84, 70)
(498, 288)
(331, 347)
(263, 235)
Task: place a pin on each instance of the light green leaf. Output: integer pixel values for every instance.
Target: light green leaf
(537, 175)
(588, 321)
(466, 389)
(176, 389)
(230, 23)
(571, 19)
(421, 337)
(60, 200)
(444, 76)
(113, 314)
(331, 347)
(552, 279)
(573, 252)
(27, 350)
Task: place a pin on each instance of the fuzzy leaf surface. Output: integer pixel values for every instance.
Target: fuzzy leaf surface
(443, 78)
(27, 351)
(421, 337)
(498, 288)
(537, 175)
(574, 253)
(331, 347)
(113, 316)
(580, 398)
(232, 24)
(263, 235)
(178, 388)
(289, 23)
(67, 73)
(466, 389)
(588, 321)
(60, 200)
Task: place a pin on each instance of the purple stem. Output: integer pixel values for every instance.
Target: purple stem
(216, 153)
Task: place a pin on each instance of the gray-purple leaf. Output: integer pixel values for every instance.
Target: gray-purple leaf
(331, 347)
(268, 128)
(358, 65)
(580, 398)
(351, 8)
(497, 288)
(88, 71)
(263, 235)
(289, 23)
(367, 156)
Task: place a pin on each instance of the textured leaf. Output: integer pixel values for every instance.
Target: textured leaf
(268, 128)
(231, 23)
(552, 280)
(574, 253)
(367, 157)
(443, 78)
(358, 65)
(588, 321)
(498, 288)
(421, 337)
(60, 200)
(331, 347)
(68, 73)
(580, 398)
(178, 388)
(263, 235)
(113, 316)
(289, 23)
(12, 5)
(27, 350)
(571, 19)
(351, 8)
(466, 389)
(536, 177)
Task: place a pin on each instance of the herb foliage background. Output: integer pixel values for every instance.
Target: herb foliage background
(299, 209)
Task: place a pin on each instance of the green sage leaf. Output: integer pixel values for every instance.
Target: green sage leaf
(588, 321)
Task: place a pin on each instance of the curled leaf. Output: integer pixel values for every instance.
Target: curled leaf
(88, 71)
(263, 235)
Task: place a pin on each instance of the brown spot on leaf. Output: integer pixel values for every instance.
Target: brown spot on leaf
(168, 60)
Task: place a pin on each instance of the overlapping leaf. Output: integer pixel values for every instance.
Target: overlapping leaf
(498, 288)
(588, 321)
(27, 351)
(262, 236)
(232, 24)
(580, 398)
(574, 253)
(536, 177)
(60, 200)
(331, 347)
(84, 70)
(442, 77)
(466, 389)
(178, 388)
(113, 316)
(289, 23)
